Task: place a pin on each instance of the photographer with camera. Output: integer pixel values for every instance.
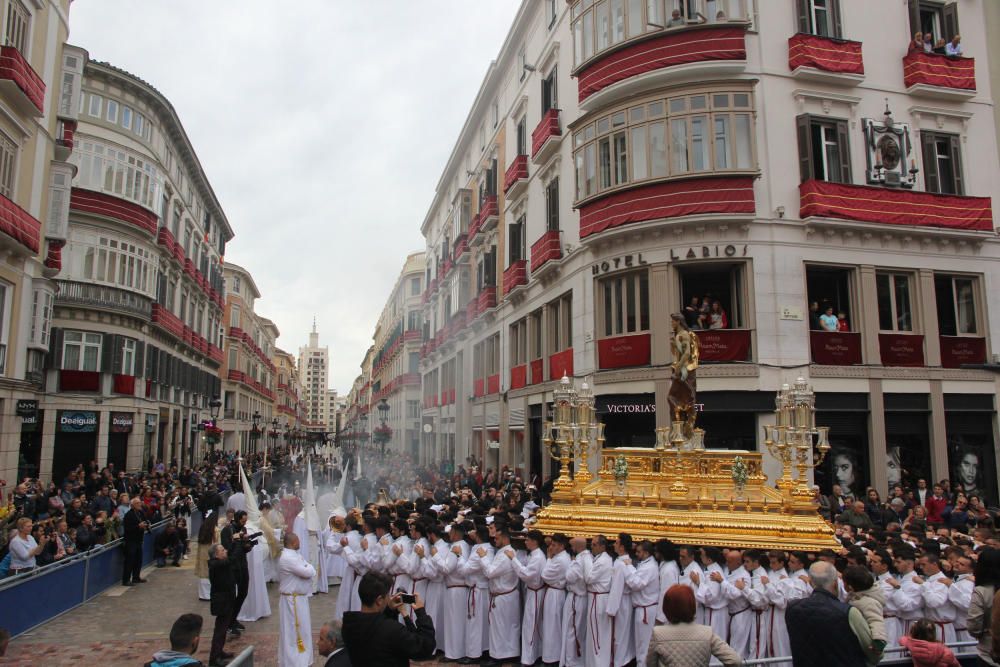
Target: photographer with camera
(232, 533)
(375, 637)
(135, 526)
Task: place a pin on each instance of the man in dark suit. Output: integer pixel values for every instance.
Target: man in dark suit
(134, 527)
(222, 577)
(331, 645)
(233, 532)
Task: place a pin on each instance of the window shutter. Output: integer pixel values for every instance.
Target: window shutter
(140, 349)
(914, 9)
(554, 87)
(805, 16)
(931, 181)
(108, 353)
(119, 354)
(844, 142)
(55, 356)
(803, 125)
(949, 14)
(956, 163)
(838, 27)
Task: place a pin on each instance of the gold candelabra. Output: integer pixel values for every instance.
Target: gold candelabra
(571, 431)
(794, 435)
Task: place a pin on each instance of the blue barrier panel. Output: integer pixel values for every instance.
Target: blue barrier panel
(36, 599)
(105, 569)
(147, 542)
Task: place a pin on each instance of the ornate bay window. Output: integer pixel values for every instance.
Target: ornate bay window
(706, 132)
(115, 171)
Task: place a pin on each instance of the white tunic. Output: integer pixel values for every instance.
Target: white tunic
(456, 599)
(960, 595)
(777, 590)
(534, 599)
(760, 608)
(938, 607)
(346, 591)
(575, 610)
(644, 583)
(908, 601)
(477, 625)
(599, 622)
(554, 577)
(891, 613)
(713, 602)
(505, 605)
(295, 576)
(670, 575)
(620, 607)
(393, 564)
(413, 566)
(434, 604)
(256, 606)
(738, 610)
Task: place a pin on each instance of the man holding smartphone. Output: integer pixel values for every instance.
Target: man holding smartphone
(375, 637)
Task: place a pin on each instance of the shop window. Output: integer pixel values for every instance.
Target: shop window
(938, 19)
(560, 323)
(81, 351)
(819, 17)
(714, 295)
(824, 149)
(895, 308)
(830, 288)
(956, 304)
(624, 304)
(942, 163)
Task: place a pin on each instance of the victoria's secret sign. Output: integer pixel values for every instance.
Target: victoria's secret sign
(676, 255)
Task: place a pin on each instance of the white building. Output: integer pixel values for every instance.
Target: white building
(314, 373)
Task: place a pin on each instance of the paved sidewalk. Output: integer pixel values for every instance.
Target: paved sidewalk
(126, 625)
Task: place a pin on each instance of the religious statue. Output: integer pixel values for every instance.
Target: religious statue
(683, 385)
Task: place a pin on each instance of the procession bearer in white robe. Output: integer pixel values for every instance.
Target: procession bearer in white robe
(554, 578)
(776, 588)
(735, 581)
(575, 610)
(434, 602)
(393, 558)
(599, 623)
(505, 599)
(477, 624)
(295, 581)
(756, 595)
(413, 562)
(960, 595)
(456, 593)
(351, 539)
(709, 592)
(357, 560)
(670, 574)
(620, 604)
(644, 583)
(534, 596)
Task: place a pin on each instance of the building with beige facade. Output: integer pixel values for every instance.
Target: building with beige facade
(737, 164)
(133, 355)
(290, 409)
(39, 90)
(249, 398)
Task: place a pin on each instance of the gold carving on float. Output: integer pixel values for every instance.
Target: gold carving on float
(678, 489)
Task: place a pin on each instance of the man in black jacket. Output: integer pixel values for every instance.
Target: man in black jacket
(823, 630)
(236, 531)
(375, 638)
(222, 566)
(134, 527)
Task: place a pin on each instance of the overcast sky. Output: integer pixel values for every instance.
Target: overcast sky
(323, 126)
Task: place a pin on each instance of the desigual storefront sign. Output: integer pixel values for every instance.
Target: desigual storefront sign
(122, 422)
(74, 421)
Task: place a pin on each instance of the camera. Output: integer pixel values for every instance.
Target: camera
(406, 598)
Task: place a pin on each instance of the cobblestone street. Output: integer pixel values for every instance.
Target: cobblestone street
(125, 626)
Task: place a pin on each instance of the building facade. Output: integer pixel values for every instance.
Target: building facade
(249, 399)
(750, 164)
(395, 364)
(314, 372)
(290, 409)
(39, 87)
(133, 355)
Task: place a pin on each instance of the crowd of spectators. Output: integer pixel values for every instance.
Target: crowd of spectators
(705, 312)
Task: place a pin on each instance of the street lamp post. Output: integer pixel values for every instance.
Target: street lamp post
(214, 406)
(383, 415)
(254, 431)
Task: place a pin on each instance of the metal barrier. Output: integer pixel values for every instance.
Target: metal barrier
(967, 657)
(244, 659)
(27, 600)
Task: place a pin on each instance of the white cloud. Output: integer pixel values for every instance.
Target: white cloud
(323, 126)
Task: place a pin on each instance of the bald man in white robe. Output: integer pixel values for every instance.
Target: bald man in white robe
(295, 582)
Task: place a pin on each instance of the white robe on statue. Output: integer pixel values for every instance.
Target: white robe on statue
(256, 606)
(554, 577)
(295, 577)
(599, 623)
(477, 625)
(643, 580)
(505, 605)
(574, 624)
(456, 599)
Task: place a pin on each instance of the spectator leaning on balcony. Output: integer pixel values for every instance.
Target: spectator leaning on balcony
(928, 43)
(676, 20)
(954, 47)
(828, 320)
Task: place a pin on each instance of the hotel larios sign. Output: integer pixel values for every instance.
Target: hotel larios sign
(676, 255)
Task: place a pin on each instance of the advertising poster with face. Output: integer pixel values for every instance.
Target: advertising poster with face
(971, 459)
(906, 461)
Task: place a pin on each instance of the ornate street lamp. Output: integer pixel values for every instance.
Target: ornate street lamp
(383, 434)
(255, 431)
(215, 404)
